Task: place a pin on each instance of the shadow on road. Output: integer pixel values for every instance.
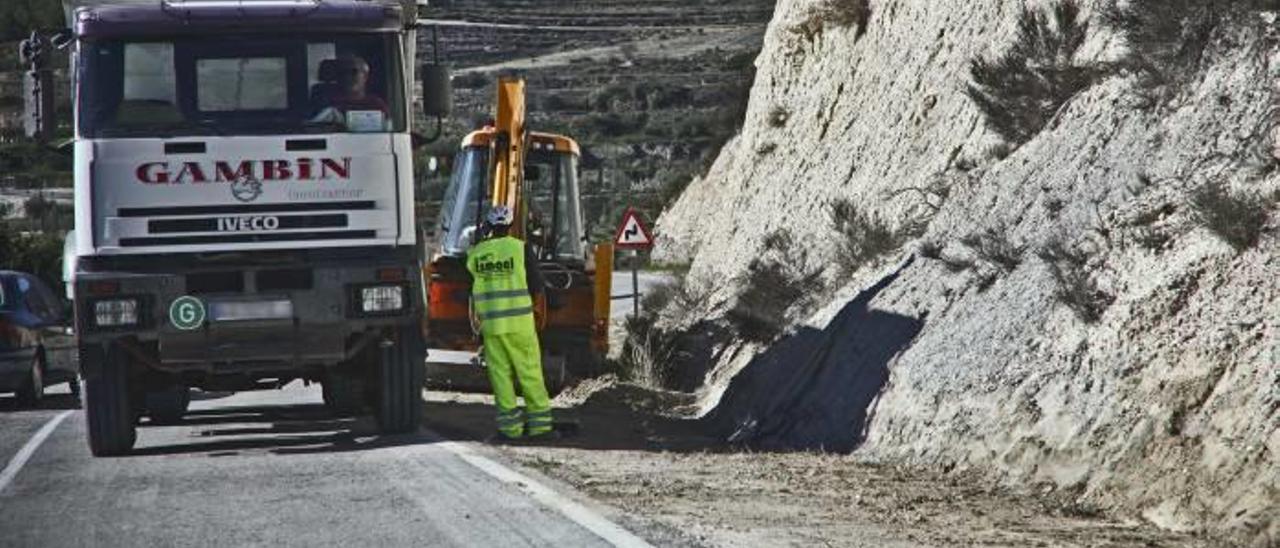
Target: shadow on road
(282, 430)
(50, 402)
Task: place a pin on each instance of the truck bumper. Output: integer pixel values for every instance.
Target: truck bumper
(303, 311)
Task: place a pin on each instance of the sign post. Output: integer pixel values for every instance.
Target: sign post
(634, 235)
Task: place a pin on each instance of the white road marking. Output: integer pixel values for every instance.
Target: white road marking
(576, 512)
(16, 463)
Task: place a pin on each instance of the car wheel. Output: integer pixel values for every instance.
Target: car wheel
(401, 375)
(32, 389)
(108, 409)
(167, 406)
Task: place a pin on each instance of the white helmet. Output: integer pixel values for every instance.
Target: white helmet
(500, 216)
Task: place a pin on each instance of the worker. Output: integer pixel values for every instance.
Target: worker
(353, 83)
(344, 89)
(505, 282)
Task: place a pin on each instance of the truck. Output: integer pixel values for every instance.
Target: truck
(244, 203)
(536, 175)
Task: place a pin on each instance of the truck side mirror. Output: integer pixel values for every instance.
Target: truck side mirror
(437, 91)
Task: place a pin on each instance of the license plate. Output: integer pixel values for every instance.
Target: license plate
(239, 311)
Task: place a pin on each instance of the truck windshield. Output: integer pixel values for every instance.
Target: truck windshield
(246, 85)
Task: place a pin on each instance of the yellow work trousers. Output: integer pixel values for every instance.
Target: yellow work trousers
(513, 358)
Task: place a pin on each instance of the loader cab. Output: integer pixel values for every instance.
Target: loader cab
(553, 216)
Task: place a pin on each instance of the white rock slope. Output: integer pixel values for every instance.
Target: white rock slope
(1167, 407)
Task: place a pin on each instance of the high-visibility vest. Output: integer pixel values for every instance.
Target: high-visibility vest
(499, 291)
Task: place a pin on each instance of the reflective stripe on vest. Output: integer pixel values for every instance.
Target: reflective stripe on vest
(499, 291)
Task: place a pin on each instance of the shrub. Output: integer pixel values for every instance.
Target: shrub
(34, 252)
(994, 247)
(648, 355)
(1236, 218)
(772, 288)
(836, 14)
(1165, 40)
(862, 237)
(1074, 287)
(1020, 91)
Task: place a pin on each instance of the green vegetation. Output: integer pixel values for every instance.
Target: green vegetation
(39, 253)
(19, 17)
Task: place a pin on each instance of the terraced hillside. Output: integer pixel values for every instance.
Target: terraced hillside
(651, 89)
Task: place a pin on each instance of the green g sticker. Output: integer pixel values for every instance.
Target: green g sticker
(186, 313)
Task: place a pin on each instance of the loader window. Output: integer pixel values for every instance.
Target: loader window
(238, 85)
(555, 219)
(463, 205)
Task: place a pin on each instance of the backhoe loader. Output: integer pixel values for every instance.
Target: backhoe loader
(536, 174)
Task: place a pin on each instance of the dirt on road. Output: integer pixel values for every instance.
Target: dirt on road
(677, 486)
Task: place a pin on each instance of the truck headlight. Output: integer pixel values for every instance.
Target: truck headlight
(381, 298)
(115, 313)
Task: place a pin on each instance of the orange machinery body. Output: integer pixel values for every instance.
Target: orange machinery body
(573, 318)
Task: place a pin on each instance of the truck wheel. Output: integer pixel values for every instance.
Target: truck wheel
(107, 407)
(32, 389)
(401, 375)
(167, 406)
(343, 394)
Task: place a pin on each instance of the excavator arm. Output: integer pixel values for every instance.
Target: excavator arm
(508, 151)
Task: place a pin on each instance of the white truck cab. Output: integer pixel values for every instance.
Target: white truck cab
(245, 205)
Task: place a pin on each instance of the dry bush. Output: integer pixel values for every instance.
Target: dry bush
(771, 290)
(993, 246)
(1022, 90)
(837, 14)
(1075, 287)
(863, 238)
(1238, 219)
(1166, 40)
(649, 354)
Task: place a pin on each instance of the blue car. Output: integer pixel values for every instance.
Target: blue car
(37, 344)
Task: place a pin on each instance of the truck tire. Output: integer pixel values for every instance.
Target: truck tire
(343, 394)
(32, 389)
(401, 369)
(108, 410)
(167, 406)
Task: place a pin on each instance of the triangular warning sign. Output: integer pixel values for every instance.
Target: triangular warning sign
(632, 234)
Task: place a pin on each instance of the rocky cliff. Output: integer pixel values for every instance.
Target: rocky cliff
(1083, 299)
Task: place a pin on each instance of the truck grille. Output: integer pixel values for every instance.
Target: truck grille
(247, 223)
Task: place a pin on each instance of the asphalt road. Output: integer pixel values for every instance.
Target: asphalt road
(622, 288)
(270, 469)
